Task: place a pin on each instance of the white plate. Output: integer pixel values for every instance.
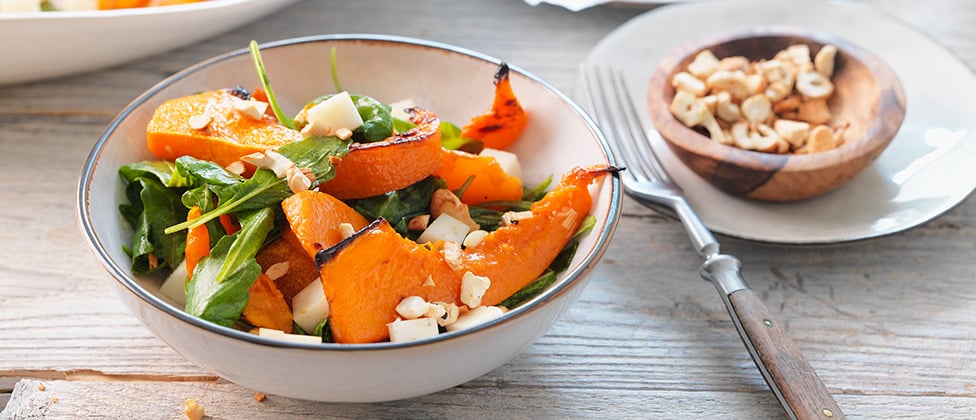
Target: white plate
(929, 167)
(37, 46)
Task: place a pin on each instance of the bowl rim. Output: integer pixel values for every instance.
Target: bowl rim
(35, 17)
(876, 136)
(569, 278)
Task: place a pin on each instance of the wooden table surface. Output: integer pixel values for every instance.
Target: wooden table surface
(889, 323)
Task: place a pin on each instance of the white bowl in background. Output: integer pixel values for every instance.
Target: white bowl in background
(44, 45)
(455, 83)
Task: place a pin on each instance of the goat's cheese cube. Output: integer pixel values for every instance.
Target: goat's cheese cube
(412, 329)
(310, 307)
(73, 5)
(473, 288)
(295, 338)
(19, 6)
(476, 316)
(328, 116)
(251, 108)
(445, 227)
(507, 160)
(412, 307)
(174, 287)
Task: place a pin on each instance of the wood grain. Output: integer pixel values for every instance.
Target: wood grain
(889, 324)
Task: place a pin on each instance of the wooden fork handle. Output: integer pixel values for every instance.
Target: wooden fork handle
(788, 373)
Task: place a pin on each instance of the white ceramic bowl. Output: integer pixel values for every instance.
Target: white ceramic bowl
(451, 81)
(50, 44)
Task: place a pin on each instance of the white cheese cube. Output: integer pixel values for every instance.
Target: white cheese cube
(445, 227)
(328, 116)
(251, 108)
(507, 160)
(310, 307)
(412, 307)
(20, 6)
(412, 329)
(295, 338)
(174, 287)
(476, 316)
(473, 288)
(73, 5)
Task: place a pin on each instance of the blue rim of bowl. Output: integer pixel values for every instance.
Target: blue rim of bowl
(119, 273)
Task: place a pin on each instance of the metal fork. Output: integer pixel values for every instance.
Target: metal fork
(786, 371)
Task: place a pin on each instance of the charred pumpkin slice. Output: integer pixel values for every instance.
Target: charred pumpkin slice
(301, 267)
(315, 217)
(368, 274)
(365, 276)
(504, 122)
(376, 168)
(490, 182)
(219, 132)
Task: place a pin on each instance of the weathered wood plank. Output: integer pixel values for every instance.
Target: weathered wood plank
(482, 399)
(889, 324)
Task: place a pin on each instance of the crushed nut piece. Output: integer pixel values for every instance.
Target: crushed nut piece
(419, 222)
(277, 271)
(40, 386)
(192, 410)
(260, 396)
(767, 105)
(236, 167)
(343, 133)
(199, 122)
(444, 201)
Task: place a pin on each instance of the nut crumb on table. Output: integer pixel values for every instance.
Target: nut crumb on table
(192, 410)
(260, 396)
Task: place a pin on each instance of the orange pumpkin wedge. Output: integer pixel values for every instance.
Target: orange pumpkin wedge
(490, 182)
(301, 267)
(514, 255)
(403, 159)
(266, 307)
(227, 136)
(314, 217)
(504, 122)
(367, 275)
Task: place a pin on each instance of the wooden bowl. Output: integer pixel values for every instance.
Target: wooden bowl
(867, 94)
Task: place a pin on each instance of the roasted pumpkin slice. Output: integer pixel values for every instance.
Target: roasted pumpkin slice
(301, 267)
(368, 274)
(514, 255)
(266, 306)
(490, 182)
(504, 123)
(376, 168)
(365, 276)
(219, 132)
(315, 217)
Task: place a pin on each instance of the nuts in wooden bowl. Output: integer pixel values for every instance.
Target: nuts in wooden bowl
(771, 120)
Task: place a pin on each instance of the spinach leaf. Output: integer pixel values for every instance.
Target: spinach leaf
(206, 172)
(323, 330)
(451, 139)
(264, 188)
(314, 153)
(218, 290)
(398, 207)
(153, 207)
(163, 171)
(283, 118)
(536, 193)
